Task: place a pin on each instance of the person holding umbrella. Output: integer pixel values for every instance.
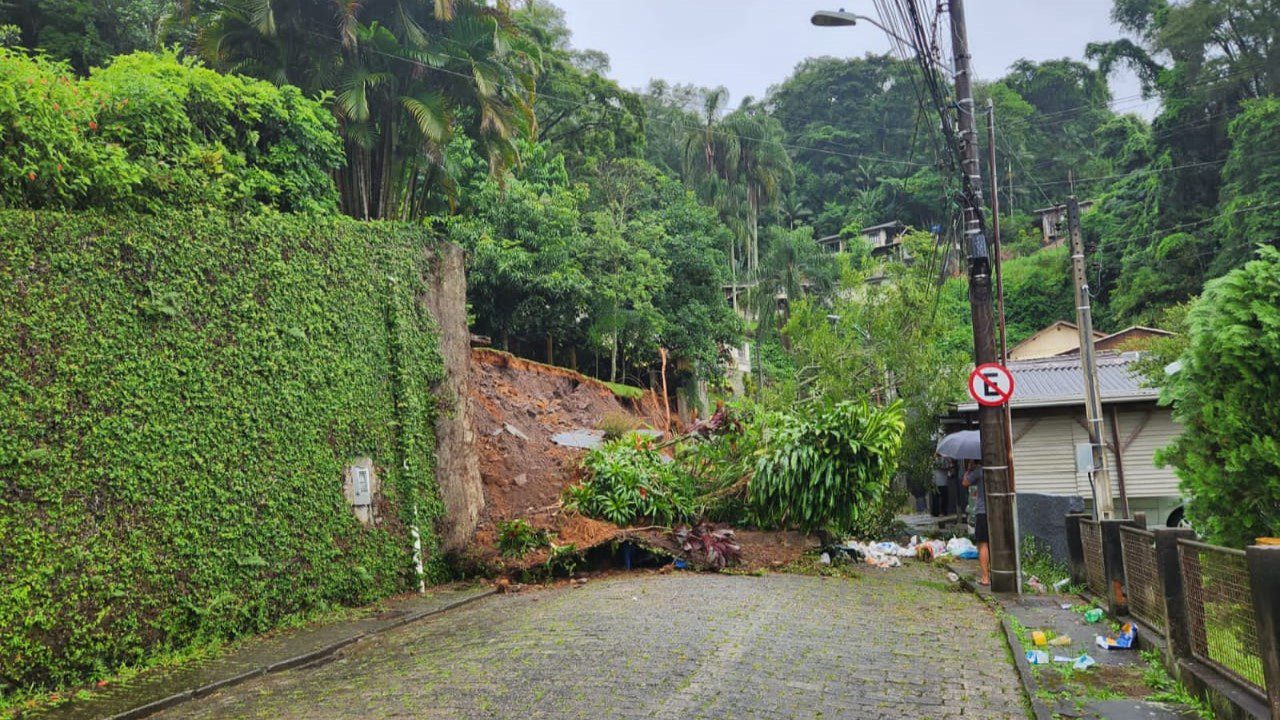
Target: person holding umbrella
(966, 445)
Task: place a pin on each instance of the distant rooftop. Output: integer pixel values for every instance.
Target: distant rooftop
(892, 224)
(1059, 382)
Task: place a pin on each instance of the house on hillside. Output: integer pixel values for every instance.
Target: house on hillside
(1052, 221)
(883, 239)
(1047, 409)
(833, 243)
(1056, 339)
(1134, 337)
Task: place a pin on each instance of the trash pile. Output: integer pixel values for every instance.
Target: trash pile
(889, 554)
(1041, 638)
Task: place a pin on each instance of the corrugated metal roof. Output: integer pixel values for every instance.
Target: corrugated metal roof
(1058, 381)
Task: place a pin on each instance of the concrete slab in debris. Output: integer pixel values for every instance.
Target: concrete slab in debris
(592, 439)
(581, 438)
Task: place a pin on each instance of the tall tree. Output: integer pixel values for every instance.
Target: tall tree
(87, 32)
(739, 165)
(404, 75)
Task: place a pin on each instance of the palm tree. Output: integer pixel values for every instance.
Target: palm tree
(402, 75)
(739, 166)
(762, 167)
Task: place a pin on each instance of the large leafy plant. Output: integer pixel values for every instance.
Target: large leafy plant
(627, 481)
(829, 471)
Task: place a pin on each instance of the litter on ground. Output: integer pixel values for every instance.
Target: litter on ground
(1122, 641)
(1037, 657)
(1084, 662)
(962, 548)
(1093, 615)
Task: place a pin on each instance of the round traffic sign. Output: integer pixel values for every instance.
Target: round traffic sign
(991, 384)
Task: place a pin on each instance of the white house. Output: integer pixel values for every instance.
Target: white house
(1047, 408)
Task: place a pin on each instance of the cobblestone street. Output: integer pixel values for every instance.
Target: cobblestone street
(890, 644)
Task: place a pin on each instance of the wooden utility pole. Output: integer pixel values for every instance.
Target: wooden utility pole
(1004, 346)
(995, 229)
(1001, 505)
(1104, 507)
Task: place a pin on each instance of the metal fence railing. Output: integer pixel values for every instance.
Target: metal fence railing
(1220, 615)
(1095, 575)
(1141, 576)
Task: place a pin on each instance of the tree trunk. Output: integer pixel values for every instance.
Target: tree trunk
(613, 360)
(551, 355)
(573, 358)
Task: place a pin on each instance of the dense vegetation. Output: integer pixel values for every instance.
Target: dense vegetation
(181, 396)
(1229, 456)
(827, 469)
(608, 229)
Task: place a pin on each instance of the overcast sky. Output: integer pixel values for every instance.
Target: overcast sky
(748, 45)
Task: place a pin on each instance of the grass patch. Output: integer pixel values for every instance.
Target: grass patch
(1167, 689)
(629, 392)
(811, 565)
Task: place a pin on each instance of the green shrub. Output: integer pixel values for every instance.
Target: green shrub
(517, 538)
(627, 481)
(829, 471)
(179, 396)
(151, 131)
(51, 151)
(1224, 396)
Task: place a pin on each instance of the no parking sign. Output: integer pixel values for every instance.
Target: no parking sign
(991, 384)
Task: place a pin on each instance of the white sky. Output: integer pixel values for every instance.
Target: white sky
(748, 45)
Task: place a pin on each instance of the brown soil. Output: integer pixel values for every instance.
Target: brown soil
(525, 477)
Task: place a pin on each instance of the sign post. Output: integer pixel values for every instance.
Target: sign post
(991, 384)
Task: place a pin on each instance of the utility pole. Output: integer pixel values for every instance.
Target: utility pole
(1004, 346)
(1001, 505)
(995, 229)
(1104, 507)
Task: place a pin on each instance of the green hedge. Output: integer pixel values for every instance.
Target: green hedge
(179, 396)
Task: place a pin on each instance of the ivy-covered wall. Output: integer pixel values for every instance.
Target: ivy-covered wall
(179, 396)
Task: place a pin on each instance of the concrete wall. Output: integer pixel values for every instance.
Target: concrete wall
(457, 465)
(1043, 516)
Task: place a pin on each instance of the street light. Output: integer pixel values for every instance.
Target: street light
(840, 18)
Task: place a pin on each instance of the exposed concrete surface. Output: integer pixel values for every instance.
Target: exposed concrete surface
(457, 463)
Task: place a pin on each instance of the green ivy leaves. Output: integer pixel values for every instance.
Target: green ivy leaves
(180, 395)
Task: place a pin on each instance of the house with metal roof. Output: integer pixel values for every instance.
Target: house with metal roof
(1047, 409)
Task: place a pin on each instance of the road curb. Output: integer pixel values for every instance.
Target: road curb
(1026, 677)
(289, 663)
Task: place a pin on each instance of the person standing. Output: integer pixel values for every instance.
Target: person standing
(981, 534)
(942, 471)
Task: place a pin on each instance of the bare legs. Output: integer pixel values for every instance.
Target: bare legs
(984, 562)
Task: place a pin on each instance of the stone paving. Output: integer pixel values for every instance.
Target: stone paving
(889, 644)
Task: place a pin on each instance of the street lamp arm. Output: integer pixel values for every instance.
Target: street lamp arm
(887, 31)
(840, 18)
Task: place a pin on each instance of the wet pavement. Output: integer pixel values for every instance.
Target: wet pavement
(894, 643)
(1113, 689)
(280, 651)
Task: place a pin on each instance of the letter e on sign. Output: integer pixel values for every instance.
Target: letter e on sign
(991, 384)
